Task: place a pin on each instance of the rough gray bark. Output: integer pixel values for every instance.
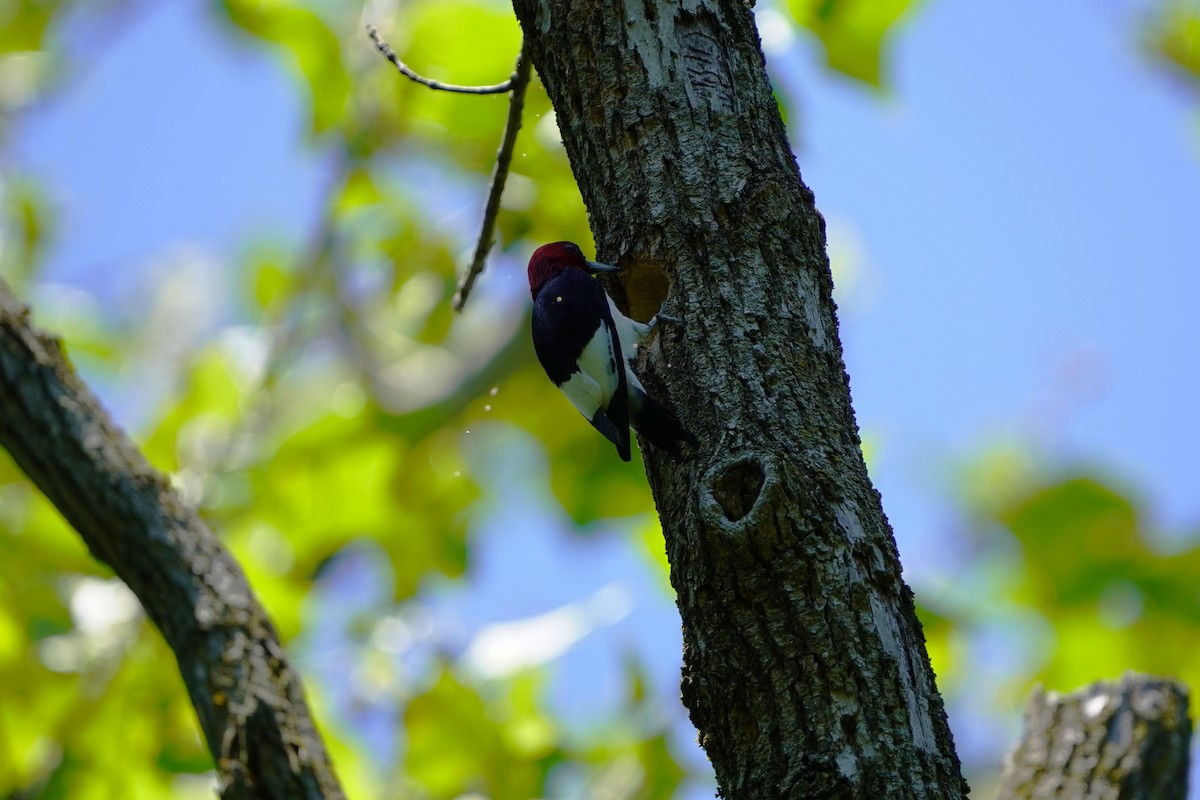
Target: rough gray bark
(805, 669)
(1119, 740)
(249, 701)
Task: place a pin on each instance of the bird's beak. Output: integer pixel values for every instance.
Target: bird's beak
(595, 266)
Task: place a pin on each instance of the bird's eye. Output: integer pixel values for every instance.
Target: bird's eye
(571, 248)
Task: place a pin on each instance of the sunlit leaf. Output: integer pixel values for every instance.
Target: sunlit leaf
(853, 32)
(457, 742)
(271, 281)
(1174, 34)
(206, 408)
(940, 642)
(662, 774)
(25, 23)
(526, 729)
(315, 48)
(459, 42)
(1113, 598)
(360, 190)
(589, 478)
(1077, 535)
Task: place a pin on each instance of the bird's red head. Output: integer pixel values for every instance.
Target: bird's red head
(551, 259)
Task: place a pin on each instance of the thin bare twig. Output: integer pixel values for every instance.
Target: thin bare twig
(517, 84)
(390, 54)
(516, 102)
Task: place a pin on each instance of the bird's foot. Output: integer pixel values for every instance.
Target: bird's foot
(661, 317)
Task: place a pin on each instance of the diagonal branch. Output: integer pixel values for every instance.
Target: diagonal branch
(516, 103)
(248, 699)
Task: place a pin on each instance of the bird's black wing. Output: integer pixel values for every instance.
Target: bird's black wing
(577, 344)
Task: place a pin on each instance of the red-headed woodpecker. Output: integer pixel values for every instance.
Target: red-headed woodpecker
(585, 345)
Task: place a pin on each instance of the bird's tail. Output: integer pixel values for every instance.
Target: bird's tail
(660, 427)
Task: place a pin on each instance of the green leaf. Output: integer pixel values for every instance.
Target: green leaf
(340, 479)
(661, 773)
(314, 47)
(1114, 600)
(272, 281)
(940, 641)
(854, 33)
(1078, 535)
(466, 43)
(25, 23)
(209, 401)
(1174, 34)
(648, 539)
(526, 729)
(588, 477)
(359, 191)
(458, 742)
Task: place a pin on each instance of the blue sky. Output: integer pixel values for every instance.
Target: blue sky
(1027, 202)
(1021, 212)
(1025, 196)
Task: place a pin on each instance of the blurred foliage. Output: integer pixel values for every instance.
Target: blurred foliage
(333, 408)
(461, 742)
(854, 33)
(1065, 583)
(315, 49)
(1173, 33)
(331, 404)
(1119, 597)
(24, 217)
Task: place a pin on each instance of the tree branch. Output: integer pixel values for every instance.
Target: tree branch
(516, 103)
(248, 699)
(517, 83)
(390, 54)
(1125, 740)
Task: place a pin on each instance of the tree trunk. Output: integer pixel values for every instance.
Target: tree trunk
(1125, 740)
(805, 669)
(249, 701)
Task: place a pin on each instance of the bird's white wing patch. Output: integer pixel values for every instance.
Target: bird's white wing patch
(584, 393)
(593, 386)
(630, 332)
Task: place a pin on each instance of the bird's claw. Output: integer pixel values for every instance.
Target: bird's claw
(661, 317)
